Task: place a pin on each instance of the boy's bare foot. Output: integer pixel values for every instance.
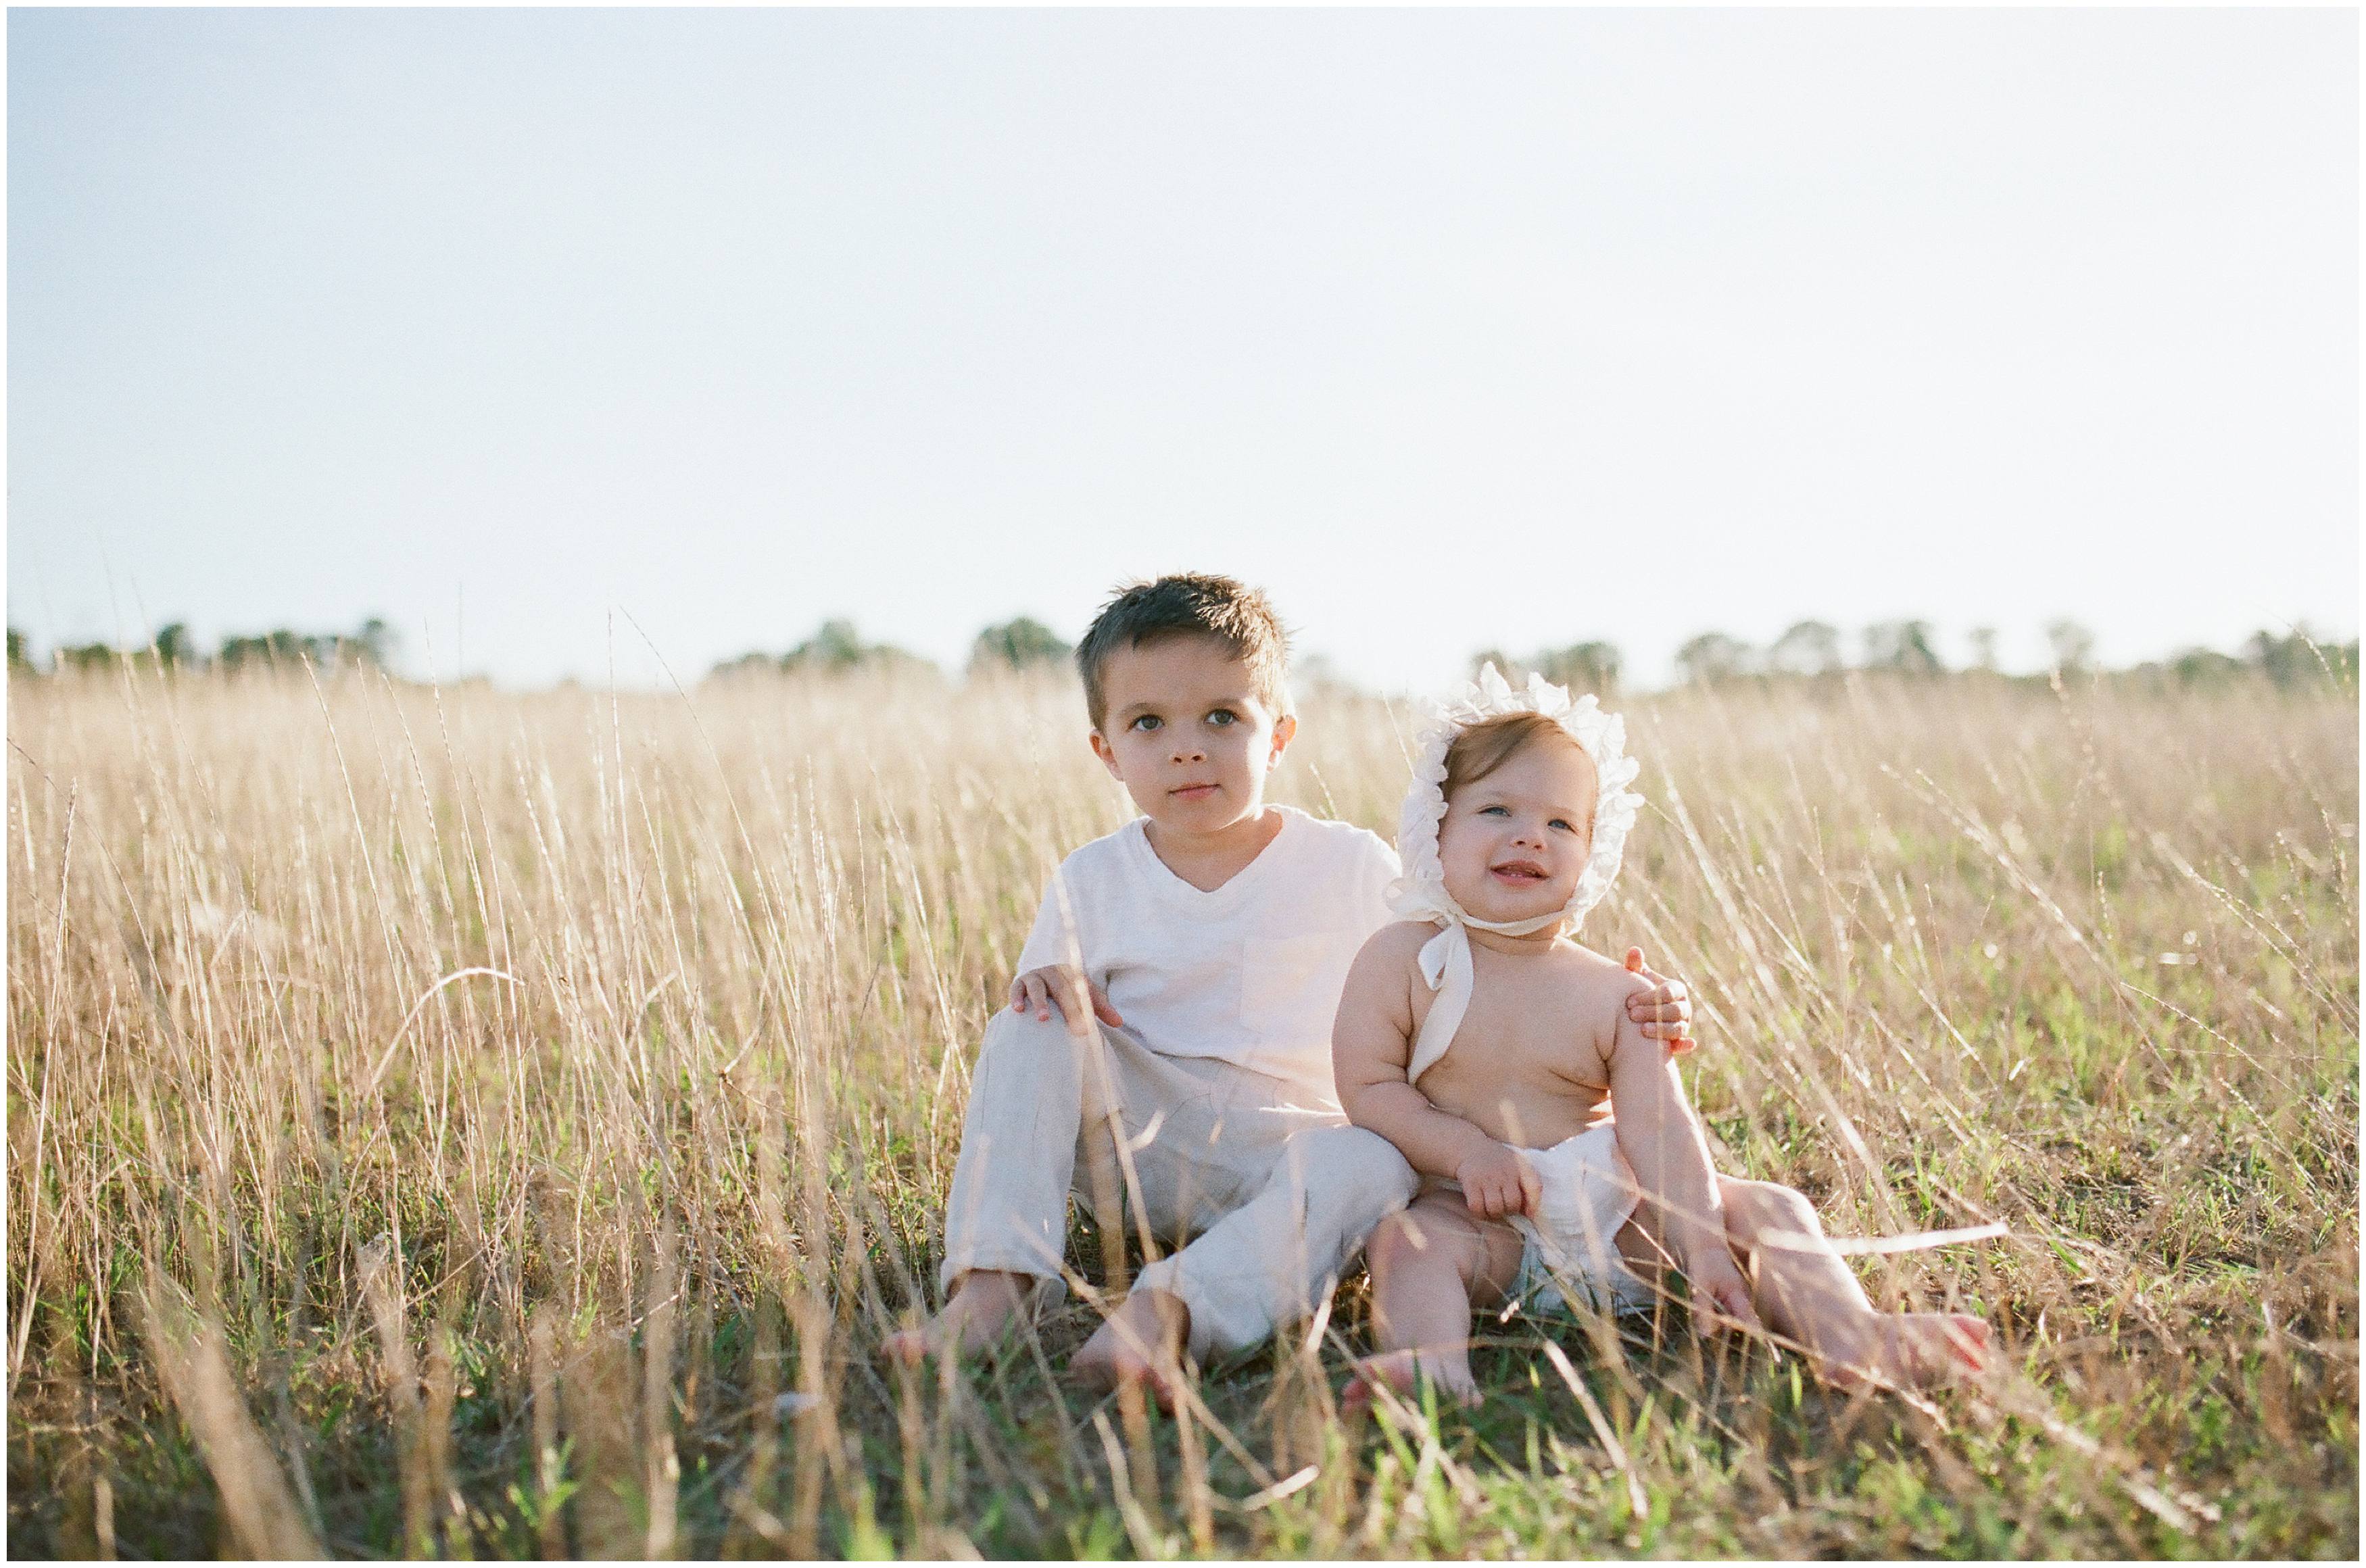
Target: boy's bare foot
(1913, 1350)
(1140, 1342)
(1448, 1374)
(985, 1304)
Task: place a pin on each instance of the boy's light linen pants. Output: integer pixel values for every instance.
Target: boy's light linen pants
(1279, 1193)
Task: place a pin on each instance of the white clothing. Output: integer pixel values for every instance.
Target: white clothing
(1284, 1191)
(1250, 973)
(1571, 1243)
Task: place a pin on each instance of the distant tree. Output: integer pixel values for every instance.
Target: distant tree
(2073, 646)
(746, 663)
(1582, 666)
(1984, 648)
(174, 646)
(1713, 656)
(16, 659)
(278, 649)
(2204, 667)
(87, 656)
(2298, 659)
(1903, 646)
(374, 643)
(1022, 644)
(837, 646)
(1808, 647)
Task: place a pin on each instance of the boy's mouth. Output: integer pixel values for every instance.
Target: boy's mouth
(1519, 873)
(1193, 792)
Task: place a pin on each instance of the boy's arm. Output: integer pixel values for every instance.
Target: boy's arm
(1663, 1143)
(1052, 965)
(1371, 1044)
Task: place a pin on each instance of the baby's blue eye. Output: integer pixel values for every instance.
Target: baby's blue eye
(1494, 811)
(1562, 822)
(1147, 722)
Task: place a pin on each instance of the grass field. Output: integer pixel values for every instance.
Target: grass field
(497, 1124)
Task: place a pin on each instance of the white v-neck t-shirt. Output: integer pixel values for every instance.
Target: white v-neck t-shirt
(1249, 973)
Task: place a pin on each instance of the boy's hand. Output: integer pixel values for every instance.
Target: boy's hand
(1065, 987)
(1665, 1015)
(1498, 1181)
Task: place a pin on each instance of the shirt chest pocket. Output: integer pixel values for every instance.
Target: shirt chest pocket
(1288, 987)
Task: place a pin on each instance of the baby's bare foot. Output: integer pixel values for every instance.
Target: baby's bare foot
(1140, 1342)
(1911, 1349)
(983, 1307)
(1449, 1373)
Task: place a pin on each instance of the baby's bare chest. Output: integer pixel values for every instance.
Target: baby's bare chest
(1539, 1049)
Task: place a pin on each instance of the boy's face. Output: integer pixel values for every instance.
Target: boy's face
(1514, 843)
(1187, 735)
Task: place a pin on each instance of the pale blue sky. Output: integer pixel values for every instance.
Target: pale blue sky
(1451, 328)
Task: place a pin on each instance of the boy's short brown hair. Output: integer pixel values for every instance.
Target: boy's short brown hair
(1189, 604)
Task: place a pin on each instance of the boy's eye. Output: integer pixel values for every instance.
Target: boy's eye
(1147, 723)
(1223, 716)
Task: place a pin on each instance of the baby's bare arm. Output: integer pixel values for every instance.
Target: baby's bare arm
(1371, 1046)
(1663, 1143)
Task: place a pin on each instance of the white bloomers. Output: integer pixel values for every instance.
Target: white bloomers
(1571, 1244)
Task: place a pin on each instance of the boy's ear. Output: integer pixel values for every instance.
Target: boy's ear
(1284, 730)
(1108, 754)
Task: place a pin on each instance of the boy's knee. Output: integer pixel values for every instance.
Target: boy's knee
(1350, 1160)
(1025, 1042)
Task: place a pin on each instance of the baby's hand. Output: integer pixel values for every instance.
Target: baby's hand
(1499, 1181)
(1719, 1292)
(1062, 986)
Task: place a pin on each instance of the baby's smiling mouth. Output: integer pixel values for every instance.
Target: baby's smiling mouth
(1519, 872)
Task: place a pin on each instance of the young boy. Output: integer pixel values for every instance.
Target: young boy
(1177, 993)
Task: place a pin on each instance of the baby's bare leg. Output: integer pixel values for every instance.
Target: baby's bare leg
(1807, 1292)
(1429, 1263)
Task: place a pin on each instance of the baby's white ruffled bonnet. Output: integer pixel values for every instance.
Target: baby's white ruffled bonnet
(1420, 893)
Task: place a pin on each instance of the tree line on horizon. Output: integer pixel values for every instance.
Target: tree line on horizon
(1814, 650)
(1808, 650)
(373, 643)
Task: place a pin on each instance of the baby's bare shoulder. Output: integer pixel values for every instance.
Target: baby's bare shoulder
(1591, 977)
(1400, 941)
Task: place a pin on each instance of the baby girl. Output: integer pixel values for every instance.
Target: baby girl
(1491, 1050)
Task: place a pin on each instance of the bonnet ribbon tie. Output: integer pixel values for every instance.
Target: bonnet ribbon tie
(1446, 965)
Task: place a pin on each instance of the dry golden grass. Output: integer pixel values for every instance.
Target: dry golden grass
(487, 1123)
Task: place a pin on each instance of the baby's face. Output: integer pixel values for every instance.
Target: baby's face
(1187, 734)
(1514, 843)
